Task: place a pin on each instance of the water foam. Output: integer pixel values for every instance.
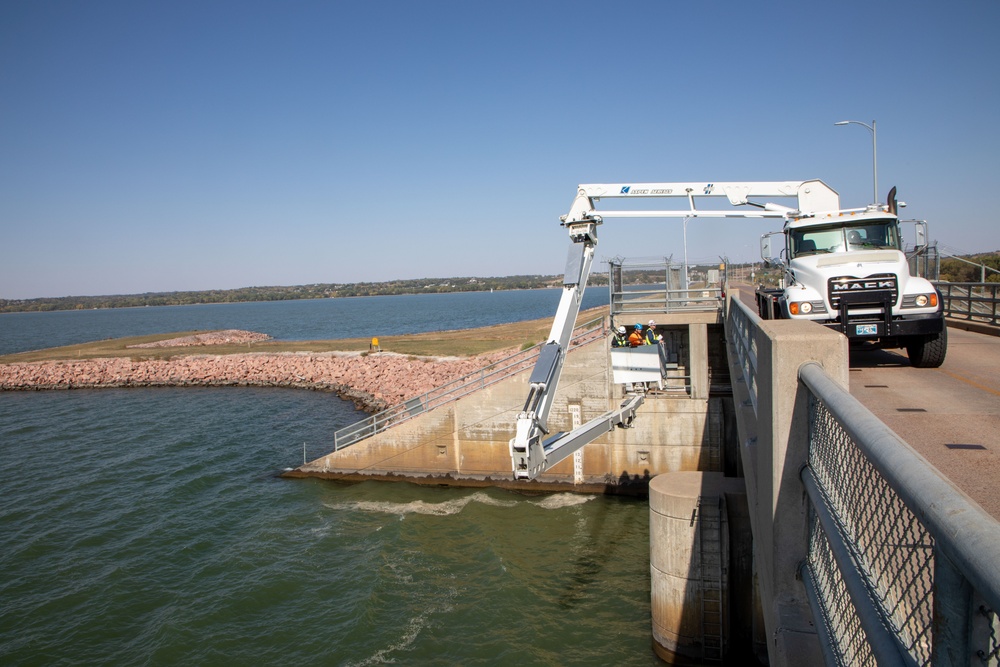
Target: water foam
(452, 507)
(410, 635)
(446, 508)
(560, 500)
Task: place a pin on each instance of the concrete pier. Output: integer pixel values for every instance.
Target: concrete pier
(701, 573)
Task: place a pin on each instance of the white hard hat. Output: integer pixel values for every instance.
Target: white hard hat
(652, 323)
(621, 329)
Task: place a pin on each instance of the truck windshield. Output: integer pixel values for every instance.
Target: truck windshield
(874, 234)
(871, 234)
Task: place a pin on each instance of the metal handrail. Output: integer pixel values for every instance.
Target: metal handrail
(452, 391)
(964, 537)
(900, 563)
(665, 300)
(983, 268)
(978, 302)
(741, 325)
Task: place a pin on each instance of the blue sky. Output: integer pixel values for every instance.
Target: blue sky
(160, 146)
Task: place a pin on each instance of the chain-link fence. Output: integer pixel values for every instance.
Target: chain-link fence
(900, 563)
(899, 566)
(640, 286)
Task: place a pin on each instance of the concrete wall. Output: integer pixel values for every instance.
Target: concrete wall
(774, 445)
(466, 442)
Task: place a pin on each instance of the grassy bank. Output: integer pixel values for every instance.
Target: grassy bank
(464, 342)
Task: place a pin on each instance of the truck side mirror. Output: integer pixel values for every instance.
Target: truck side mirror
(920, 234)
(767, 251)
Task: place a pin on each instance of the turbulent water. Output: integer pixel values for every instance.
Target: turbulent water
(148, 526)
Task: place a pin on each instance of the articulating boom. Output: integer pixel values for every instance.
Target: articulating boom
(812, 196)
(526, 448)
(530, 455)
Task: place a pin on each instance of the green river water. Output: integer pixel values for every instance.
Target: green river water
(149, 527)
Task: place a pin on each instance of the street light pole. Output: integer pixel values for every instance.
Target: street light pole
(690, 194)
(686, 253)
(870, 128)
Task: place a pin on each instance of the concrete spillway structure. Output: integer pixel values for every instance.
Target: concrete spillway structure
(684, 427)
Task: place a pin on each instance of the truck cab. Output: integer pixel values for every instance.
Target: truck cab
(847, 271)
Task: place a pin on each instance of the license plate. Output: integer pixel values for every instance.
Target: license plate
(866, 329)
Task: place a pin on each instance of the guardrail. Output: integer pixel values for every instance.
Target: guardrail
(741, 326)
(902, 566)
(898, 565)
(663, 300)
(977, 302)
(449, 393)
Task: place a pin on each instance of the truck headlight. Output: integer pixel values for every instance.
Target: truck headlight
(800, 308)
(921, 300)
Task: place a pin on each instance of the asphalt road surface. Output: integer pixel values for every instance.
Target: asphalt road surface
(950, 415)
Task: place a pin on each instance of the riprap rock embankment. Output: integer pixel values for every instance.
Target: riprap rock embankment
(373, 381)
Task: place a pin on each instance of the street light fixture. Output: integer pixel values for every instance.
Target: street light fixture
(870, 128)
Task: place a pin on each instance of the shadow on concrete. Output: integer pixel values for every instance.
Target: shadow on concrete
(872, 358)
(637, 481)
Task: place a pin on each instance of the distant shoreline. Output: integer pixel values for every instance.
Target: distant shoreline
(278, 293)
(236, 303)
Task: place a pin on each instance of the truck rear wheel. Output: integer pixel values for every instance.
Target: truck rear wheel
(928, 351)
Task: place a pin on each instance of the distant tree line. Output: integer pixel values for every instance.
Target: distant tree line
(317, 291)
(956, 271)
(247, 294)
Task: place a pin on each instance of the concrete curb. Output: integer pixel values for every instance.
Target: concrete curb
(975, 327)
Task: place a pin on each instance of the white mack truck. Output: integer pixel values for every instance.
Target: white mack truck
(845, 269)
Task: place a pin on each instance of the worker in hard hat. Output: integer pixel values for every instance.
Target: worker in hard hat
(652, 337)
(635, 338)
(620, 339)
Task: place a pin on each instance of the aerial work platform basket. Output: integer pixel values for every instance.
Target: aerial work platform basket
(643, 364)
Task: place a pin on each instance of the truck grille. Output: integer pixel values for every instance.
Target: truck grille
(850, 285)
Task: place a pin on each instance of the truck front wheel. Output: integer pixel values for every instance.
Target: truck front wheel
(928, 351)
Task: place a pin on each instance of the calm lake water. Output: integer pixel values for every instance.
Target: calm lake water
(147, 526)
(313, 319)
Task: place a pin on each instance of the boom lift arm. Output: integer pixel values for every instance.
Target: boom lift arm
(527, 450)
(530, 455)
(812, 196)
